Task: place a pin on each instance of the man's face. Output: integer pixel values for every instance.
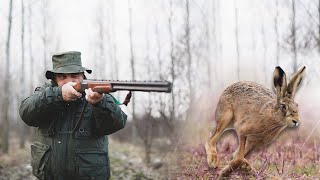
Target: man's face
(62, 79)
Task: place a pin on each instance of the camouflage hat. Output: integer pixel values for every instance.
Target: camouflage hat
(66, 62)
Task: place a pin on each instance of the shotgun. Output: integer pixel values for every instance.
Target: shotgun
(106, 86)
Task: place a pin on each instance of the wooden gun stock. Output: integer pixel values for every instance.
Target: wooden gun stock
(95, 86)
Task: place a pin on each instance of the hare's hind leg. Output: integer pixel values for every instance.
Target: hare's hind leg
(223, 120)
(239, 161)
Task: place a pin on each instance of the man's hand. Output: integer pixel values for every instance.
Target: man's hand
(93, 97)
(69, 93)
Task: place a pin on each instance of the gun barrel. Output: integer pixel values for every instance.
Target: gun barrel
(145, 86)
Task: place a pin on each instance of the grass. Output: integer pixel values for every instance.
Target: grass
(126, 161)
(286, 158)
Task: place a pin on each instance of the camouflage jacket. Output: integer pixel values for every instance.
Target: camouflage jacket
(62, 151)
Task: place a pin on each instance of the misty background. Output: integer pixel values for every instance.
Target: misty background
(202, 46)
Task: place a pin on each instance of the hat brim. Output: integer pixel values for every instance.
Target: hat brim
(67, 70)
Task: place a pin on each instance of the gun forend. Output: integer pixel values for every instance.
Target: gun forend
(105, 86)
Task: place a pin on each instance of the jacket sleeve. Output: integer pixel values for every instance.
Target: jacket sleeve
(108, 116)
(40, 105)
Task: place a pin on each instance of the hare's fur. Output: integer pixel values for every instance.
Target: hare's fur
(257, 114)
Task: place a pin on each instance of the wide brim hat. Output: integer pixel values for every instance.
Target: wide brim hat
(65, 63)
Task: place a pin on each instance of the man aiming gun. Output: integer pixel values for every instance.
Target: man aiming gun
(71, 141)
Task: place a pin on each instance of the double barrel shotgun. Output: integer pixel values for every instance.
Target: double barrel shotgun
(107, 86)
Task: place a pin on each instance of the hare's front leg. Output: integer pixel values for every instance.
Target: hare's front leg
(223, 120)
(250, 146)
(237, 162)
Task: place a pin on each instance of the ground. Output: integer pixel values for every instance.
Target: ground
(286, 158)
(294, 155)
(126, 163)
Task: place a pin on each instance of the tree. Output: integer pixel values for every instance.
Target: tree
(7, 82)
(276, 30)
(237, 38)
(172, 65)
(146, 130)
(264, 45)
(101, 41)
(30, 48)
(132, 65)
(22, 80)
(45, 36)
(188, 52)
(293, 35)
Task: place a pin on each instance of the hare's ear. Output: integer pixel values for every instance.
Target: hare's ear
(295, 82)
(280, 83)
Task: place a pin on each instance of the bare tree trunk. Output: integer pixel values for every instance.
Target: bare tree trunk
(22, 79)
(45, 35)
(101, 40)
(318, 43)
(115, 60)
(172, 68)
(277, 33)
(208, 57)
(132, 64)
(168, 119)
(6, 102)
(254, 46)
(188, 50)
(101, 47)
(160, 75)
(114, 48)
(149, 126)
(294, 38)
(264, 44)
(237, 39)
(219, 41)
(113, 45)
(30, 49)
(214, 46)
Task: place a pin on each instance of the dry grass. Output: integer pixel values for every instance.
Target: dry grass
(16, 164)
(126, 162)
(294, 155)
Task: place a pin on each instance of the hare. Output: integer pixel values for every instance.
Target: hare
(257, 114)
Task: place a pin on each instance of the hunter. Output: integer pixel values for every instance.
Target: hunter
(71, 140)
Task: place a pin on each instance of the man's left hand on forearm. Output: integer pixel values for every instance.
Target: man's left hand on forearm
(93, 97)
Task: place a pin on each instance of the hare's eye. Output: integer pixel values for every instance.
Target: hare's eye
(283, 107)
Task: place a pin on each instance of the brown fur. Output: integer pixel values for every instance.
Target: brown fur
(257, 114)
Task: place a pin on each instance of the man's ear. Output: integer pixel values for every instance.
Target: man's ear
(54, 79)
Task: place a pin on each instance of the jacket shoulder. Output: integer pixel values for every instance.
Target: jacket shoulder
(44, 86)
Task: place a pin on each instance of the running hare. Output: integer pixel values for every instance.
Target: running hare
(257, 114)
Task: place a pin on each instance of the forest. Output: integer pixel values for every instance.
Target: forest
(201, 46)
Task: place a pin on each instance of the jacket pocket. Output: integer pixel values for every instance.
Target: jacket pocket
(40, 154)
(92, 164)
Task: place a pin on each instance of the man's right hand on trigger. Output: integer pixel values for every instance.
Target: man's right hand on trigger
(69, 93)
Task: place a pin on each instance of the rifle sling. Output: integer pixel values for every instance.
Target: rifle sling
(127, 100)
(78, 122)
